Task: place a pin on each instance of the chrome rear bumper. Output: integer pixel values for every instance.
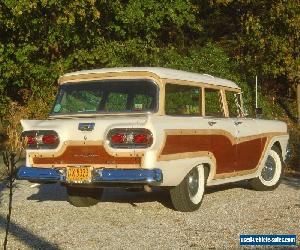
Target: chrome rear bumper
(105, 175)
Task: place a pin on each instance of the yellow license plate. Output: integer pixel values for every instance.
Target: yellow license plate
(79, 174)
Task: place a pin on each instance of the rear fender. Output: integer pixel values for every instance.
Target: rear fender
(174, 171)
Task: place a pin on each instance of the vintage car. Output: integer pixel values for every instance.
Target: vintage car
(145, 127)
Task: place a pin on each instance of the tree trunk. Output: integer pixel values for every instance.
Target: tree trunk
(298, 102)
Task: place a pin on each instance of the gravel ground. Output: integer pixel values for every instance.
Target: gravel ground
(43, 219)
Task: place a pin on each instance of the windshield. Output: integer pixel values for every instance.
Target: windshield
(109, 96)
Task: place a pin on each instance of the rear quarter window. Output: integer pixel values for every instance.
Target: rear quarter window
(182, 100)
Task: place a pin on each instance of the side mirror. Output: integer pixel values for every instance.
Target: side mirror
(258, 111)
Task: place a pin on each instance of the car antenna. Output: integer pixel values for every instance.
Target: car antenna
(258, 111)
(256, 97)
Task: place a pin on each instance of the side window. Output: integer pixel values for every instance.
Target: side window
(213, 103)
(182, 100)
(233, 102)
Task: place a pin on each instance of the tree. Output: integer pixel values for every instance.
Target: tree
(11, 149)
(41, 40)
(264, 37)
(298, 103)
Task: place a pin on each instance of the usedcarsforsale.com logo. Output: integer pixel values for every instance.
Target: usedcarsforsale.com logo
(265, 239)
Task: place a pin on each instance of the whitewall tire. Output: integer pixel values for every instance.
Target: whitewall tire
(188, 195)
(271, 174)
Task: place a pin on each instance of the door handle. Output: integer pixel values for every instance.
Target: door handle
(236, 123)
(211, 123)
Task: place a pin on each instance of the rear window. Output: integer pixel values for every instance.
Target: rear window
(106, 97)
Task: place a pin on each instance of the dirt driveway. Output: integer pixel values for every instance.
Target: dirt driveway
(43, 219)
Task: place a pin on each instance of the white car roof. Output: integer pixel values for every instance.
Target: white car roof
(163, 73)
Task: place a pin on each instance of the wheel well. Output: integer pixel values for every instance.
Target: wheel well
(207, 170)
(277, 144)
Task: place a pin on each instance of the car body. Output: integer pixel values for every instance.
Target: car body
(151, 127)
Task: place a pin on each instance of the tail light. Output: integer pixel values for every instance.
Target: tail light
(118, 138)
(130, 138)
(50, 139)
(41, 139)
(31, 140)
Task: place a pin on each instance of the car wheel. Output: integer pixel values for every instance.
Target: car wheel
(271, 174)
(84, 197)
(188, 195)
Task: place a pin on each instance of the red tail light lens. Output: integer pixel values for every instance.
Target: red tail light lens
(118, 138)
(140, 138)
(31, 140)
(49, 139)
(130, 138)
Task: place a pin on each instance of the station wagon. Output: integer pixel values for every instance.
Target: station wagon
(149, 127)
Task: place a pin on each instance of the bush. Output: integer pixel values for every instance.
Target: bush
(293, 160)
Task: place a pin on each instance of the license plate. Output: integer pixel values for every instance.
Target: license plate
(79, 174)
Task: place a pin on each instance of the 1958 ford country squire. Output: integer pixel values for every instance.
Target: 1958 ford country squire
(151, 127)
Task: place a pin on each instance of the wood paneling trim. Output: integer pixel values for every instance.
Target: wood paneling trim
(181, 144)
(83, 154)
(178, 156)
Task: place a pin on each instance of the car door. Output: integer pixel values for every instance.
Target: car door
(248, 143)
(222, 129)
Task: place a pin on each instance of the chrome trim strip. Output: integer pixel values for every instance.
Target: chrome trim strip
(132, 132)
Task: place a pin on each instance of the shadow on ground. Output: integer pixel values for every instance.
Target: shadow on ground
(27, 237)
(120, 195)
(56, 192)
(48, 192)
(227, 186)
(2, 187)
(293, 182)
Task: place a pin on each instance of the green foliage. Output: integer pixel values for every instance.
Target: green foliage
(294, 146)
(271, 37)
(42, 39)
(262, 35)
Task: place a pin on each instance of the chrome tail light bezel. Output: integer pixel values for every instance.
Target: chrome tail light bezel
(130, 134)
(38, 137)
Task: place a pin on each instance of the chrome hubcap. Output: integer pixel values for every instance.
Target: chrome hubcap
(193, 182)
(268, 171)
